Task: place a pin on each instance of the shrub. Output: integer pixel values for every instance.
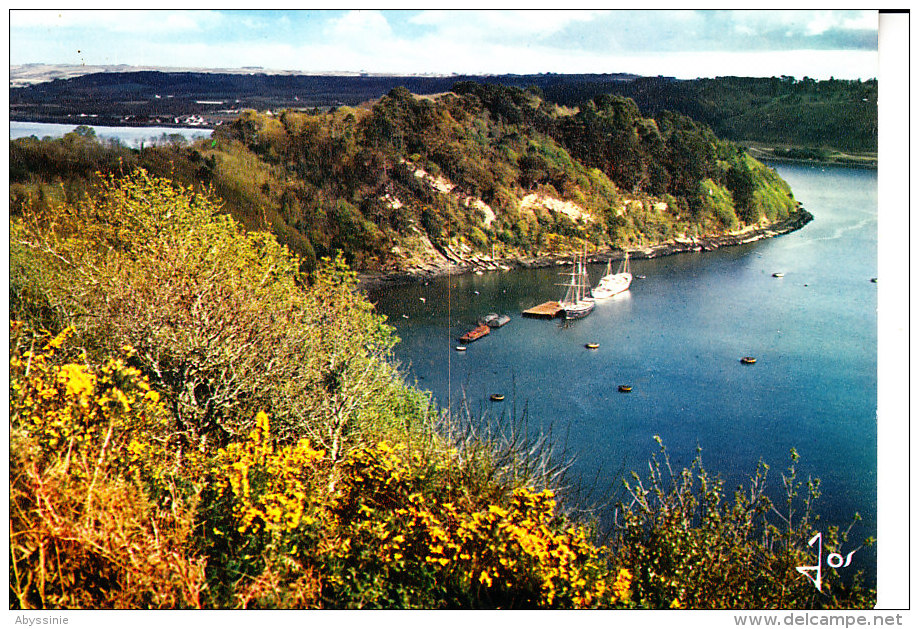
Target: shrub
(221, 320)
(394, 527)
(717, 202)
(688, 546)
(97, 516)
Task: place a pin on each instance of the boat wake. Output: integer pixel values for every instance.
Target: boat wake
(838, 233)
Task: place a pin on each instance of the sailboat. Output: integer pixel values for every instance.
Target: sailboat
(614, 283)
(578, 301)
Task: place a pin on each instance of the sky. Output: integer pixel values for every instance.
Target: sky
(684, 44)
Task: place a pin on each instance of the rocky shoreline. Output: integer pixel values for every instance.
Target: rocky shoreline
(794, 222)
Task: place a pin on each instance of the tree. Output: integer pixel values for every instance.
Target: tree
(85, 131)
(739, 180)
(219, 319)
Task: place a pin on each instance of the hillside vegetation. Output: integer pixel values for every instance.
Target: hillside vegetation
(410, 182)
(817, 117)
(196, 423)
(787, 112)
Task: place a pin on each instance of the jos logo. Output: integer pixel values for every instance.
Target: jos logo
(833, 560)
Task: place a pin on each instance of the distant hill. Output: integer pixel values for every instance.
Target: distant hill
(413, 183)
(831, 115)
(778, 111)
(139, 97)
(33, 73)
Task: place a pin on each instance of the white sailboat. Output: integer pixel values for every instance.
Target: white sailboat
(578, 301)
(614, 283)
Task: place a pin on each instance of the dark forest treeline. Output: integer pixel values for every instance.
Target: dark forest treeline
(388, 182)
(830, 114)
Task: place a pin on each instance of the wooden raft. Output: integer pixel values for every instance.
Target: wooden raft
(547, 310)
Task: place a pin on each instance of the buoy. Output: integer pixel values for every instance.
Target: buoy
(748, 360)
(625, 388)
(497, 397)
(461, 348)
(422, 299)
(592, 345)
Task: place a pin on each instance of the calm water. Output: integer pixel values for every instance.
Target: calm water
(129, 136)
(676, 337)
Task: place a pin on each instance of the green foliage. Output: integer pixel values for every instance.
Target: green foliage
(717, 201)
(689, 545)
(397, 527)
(831, 114)
(739, 181)
(363, 180)
(774, 199)
(220, 319)
(145, 471)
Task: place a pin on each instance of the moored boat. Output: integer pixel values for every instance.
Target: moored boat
(578, 301)
(488, 319)
(475, 334)
(614, 283)
(494, 320)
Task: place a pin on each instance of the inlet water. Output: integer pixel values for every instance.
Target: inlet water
(676, 337)
(132, 137)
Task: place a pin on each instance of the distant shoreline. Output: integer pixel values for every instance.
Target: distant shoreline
(868, 163)
(767, 154)
(374, 281)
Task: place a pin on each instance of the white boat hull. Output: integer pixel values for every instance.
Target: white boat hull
(578, 310)
(611, 285)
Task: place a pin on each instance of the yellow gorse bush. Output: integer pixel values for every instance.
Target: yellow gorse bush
(95, 520)
(71, 405)
(281, 502)
(521, 551)
(395, 532)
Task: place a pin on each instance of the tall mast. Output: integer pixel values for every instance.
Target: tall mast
(571, 293)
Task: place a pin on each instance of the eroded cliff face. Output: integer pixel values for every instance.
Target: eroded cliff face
(419, 257)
